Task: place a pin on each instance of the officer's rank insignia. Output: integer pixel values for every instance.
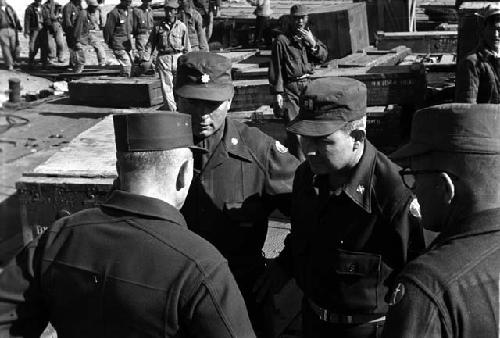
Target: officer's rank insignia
(415, 208)
(281, 148)
(397, 294)
(234, 141)
(360, 189)
(205, 78)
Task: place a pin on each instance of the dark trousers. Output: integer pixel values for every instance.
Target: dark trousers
(261, 30)
(293, 91)
(313, 327)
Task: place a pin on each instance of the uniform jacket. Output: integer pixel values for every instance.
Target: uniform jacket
(130, 268)
(70, 14)
(194, 23)
(262, 7)
(142, 22)
(478, 78)
(50, 16)
(343, 248)
(170, 40)
(248, 176)
(291, 58)
(118, 29)
(453, 289)
(33, 19)
(9, 19)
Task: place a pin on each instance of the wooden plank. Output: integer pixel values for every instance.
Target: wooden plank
(375, 58)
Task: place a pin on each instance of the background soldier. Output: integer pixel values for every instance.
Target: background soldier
(143, 24)
(118, 35)
(96, 25)
(33, 25)
(262, 13)
(352, 226)
(130, 268)
(452, 289)
(291, 57)
(70, 14)
(53, 30)
(9, 40)
(194, 23)
(244, 176)
(170, 38)
(478, 74)
(207, 9)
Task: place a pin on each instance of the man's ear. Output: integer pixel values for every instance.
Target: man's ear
(359, 136)
(229, 103)
(449, 187)
(183, 176)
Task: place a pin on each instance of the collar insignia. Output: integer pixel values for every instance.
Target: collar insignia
(360, 189)
(205, 78)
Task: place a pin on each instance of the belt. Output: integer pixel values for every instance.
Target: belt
(337, 318)
(169, 52)
(299, 78)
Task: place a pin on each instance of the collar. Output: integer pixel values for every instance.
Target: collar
(234, 143)
(484, 52)
(144, 206)
(167, 25)
(474, 224)
(359, 187)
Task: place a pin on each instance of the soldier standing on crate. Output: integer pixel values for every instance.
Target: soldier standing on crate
(478, 74)
(291, 64)
(9, 39)
(142, 27)
(96, 25)
(354, 224)
(208, 9)
(118, 35)
(53, 29)
(33, 25)
(170, 39)
(239, 182)
(70, 14)
(194, 23)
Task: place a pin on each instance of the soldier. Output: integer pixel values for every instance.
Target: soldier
(9, 41)
(452, 289)
(96, 25)
(353, 222)
(118, 35)
(242, 179)
(130, 267)
(262, 13)
(142, 27)
(478, 79)
(70, 14)
(170, 38)
(207, 9)
(194, 23)
(291, 57)
(53, 28)
(33, 25)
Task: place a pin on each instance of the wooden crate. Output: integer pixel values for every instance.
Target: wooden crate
(118, 92)
(420, 42)
(469, 27)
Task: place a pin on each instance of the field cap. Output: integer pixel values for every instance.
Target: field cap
(92, 3)
(455, 128)
(489, 10)
(204, 76)
(171, 4)
(328, 104)
(298, 10)
(153, 132)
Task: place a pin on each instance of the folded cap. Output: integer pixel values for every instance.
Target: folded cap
(171, 4)
(328, 104)
(298, 10)
(454, 127)
(204, 76)
(153, 132)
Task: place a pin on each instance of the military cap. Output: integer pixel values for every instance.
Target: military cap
(153, 131)
(204, 76)
(488, 11)
(328, 104)
(171, 4)
(454, 127)
(298, 10)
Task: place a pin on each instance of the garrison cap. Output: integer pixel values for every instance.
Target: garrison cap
(455, 128)
(153, 132)
(171, 4)
(204, 76)
(299, 10)
(328, 104)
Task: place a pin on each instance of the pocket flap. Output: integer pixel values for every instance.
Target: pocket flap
(357, 263)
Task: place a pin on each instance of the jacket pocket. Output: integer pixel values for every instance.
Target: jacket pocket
(358, 276)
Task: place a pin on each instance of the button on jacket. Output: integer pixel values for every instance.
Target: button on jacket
(453, 289)
(130, 268)
(290, 59)
(170, 40)
(478, 78)
(247, 176)
(343, 248)
(118, 29)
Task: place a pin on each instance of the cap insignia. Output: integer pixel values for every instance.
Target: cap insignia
(397, 295)
(281, 148)
(360, 189)
(415, 208)
(205, 78)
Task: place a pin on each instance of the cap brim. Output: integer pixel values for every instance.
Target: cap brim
(314, 128)
(213, 92)
(410, 150)
(195, 148)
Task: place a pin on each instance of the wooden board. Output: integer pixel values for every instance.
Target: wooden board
(374, 57)
(420, 42)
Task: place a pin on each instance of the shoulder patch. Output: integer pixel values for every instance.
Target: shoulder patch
(281, 148)
(397, 295)
(415, 208)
